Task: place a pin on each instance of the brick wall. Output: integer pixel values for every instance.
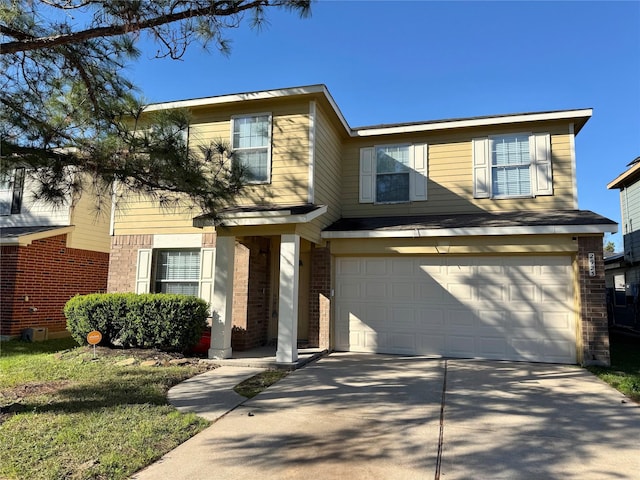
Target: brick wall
(48, 274)
(593, 308)
(251, 293)
(123, 261)
(319, 300)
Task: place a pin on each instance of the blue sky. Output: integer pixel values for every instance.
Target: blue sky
(403, 61)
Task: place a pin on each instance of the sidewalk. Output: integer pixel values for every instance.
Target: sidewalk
(210, 395)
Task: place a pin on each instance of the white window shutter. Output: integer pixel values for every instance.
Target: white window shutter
(481, 168)
(367, 175)
(207, 269)
(418, 182)
(143, 272)
(540, 146)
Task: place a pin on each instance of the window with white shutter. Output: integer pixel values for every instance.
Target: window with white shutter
(177, 271)
(393, 173)
(511, 166)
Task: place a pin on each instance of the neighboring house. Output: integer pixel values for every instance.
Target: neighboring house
(457, 238)
(48, 255)
(623, 270)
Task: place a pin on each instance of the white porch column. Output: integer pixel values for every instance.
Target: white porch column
(288, 306)
(222, 298)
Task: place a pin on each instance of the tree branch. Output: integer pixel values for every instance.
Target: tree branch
(26, 43)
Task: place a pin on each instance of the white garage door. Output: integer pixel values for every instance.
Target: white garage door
(508, 308)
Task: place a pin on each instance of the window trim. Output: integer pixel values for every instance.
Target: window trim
(269, 116)
(491, 139)
(376, 173)
(418, 174)
(540, 167)
(155, 281)
(15, 191)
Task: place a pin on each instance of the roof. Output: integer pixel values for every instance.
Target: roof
(628, 177)
(579, 117)
(26, 235)
(481, 223)
(261, 215)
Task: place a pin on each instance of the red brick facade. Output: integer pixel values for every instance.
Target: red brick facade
(251, 293)
(123, 261)
(319, 300)
(37, 280)
(593, 307)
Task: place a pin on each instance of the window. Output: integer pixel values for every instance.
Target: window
(393, 173)
(177, 271)
(252, 146)
(11, 189)
(510, 166)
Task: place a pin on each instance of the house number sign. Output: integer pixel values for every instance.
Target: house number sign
(592, 264)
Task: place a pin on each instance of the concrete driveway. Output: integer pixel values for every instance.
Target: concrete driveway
(389, 417)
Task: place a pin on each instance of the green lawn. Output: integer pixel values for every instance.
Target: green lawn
(624, 373)
(66, 415)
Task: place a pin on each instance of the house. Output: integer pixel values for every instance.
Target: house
(457, 238)
(623, 270)
(48, 255)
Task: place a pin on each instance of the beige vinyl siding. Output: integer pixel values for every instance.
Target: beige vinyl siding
(91, 230)
(289, 175)
(450, 176)
(481, 245)
(328, 168)
(147, 217)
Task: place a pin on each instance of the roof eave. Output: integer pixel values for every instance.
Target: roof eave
(579, 118)
(626, 178)
(473, 231)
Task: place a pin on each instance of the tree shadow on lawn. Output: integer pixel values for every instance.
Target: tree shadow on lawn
(130, 387)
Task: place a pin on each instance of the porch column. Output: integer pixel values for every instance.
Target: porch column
(222, 298)
(288, 303)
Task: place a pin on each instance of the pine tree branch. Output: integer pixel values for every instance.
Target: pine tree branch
(25, 42)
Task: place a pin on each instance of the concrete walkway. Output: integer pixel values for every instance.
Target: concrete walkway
(391, 417)
(211, 394)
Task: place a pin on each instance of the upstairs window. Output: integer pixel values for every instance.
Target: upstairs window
(393, 173)
(252, 146)
(512, 166)
(11, 191)
(177, 271)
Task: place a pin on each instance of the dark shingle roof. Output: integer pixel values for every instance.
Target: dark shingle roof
(15, 232)
(480, 219)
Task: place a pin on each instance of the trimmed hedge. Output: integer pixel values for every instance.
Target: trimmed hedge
(154, 320)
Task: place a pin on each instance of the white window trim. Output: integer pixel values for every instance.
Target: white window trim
(154, 280)
(492, 166)
(417, 173)
(11, 178)
(483, 166)
(269, 143)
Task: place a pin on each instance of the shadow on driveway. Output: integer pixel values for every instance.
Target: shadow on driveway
(379, 416)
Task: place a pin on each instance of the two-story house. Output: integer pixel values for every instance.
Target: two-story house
(48, 254)
(624, 270)
(456, 238)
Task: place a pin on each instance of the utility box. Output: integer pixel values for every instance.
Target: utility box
(35, 334)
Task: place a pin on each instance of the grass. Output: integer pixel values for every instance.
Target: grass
(65, 415)
(624, 373)
(254, 385)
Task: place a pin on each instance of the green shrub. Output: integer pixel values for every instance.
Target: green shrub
(155, 320)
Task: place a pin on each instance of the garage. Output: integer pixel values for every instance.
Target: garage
(493, 307)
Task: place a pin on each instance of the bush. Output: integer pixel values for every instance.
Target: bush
(164, 321)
